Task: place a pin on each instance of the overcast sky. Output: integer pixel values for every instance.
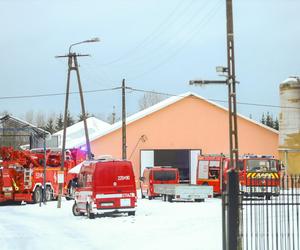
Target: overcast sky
(156, 45)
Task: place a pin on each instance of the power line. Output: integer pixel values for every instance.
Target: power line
(56, 94)
(155, 33)
(213, 100)
(143, 91)
(203, 22)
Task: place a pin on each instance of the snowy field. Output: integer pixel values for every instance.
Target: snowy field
(157, 225)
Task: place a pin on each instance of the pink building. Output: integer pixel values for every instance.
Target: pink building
(174, 131)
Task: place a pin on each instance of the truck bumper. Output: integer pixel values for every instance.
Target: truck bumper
(113, 211)
(23, 197)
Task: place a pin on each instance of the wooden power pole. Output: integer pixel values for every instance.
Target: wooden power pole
(232, 239)
(72, 65)
(124, 147)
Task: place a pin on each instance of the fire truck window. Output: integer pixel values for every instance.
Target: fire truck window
(164, 175)
(261, 165)
(273, 165)
(241, 165)
(214, 163)
(82, 180)
(80, 184)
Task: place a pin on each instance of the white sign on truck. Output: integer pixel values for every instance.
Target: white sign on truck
(203, 170)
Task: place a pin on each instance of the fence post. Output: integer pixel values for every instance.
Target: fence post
(233, 210)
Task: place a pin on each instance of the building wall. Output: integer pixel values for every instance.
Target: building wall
(190, 123)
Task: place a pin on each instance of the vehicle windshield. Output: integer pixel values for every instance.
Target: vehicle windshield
(164, 175)
(261, 165)
(215, 164)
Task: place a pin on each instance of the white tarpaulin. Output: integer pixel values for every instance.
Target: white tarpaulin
(77, 168)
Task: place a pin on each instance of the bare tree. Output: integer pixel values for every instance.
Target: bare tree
(29, 116)
(4, 113)
(149, 99)
(40, 120)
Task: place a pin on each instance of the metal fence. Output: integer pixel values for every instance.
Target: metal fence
(268, 214)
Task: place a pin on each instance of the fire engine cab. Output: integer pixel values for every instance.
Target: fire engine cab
(259, 174)
(157, 175)
(105, 186)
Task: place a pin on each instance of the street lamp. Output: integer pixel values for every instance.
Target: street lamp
(93, 40)
(73, 65)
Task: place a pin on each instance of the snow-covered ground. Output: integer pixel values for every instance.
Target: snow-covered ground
(157, 225)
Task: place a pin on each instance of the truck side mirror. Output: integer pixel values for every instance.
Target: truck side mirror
(142, 179)
(281, 166)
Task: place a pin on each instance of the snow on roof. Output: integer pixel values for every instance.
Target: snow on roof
(292, 79)
(168, 102)
(24, 125)
(75, 133)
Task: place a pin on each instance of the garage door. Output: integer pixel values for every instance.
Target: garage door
(183, 159)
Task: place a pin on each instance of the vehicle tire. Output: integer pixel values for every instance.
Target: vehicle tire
(89, 214)
(70, 193)
(132, 213)
(169, 198)
(268, 197)
(164, 197)
(150, 197)
(37, 195)
(143, 196)
(76, 211)
(48, 194)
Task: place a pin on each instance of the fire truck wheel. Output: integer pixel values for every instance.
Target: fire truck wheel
(268, 197)
(48, 194)
(37, 195)
(132, 213)
(169, 198)
(88, 212)
(76, 211)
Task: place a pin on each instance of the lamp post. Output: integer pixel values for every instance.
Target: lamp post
(232, 239)
(73, 65)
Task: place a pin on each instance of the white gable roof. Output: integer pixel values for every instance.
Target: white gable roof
(167, 102)
(75, 134)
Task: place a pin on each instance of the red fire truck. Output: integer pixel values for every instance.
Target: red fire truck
(157, 175)
(259, 174)
(209, 171)
(105, 186)
(22, 176)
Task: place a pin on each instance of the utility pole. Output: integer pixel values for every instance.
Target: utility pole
(114, 115)
(124, 147)
(72, 65)
(232, 240)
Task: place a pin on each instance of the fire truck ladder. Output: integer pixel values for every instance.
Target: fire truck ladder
(27, 178)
